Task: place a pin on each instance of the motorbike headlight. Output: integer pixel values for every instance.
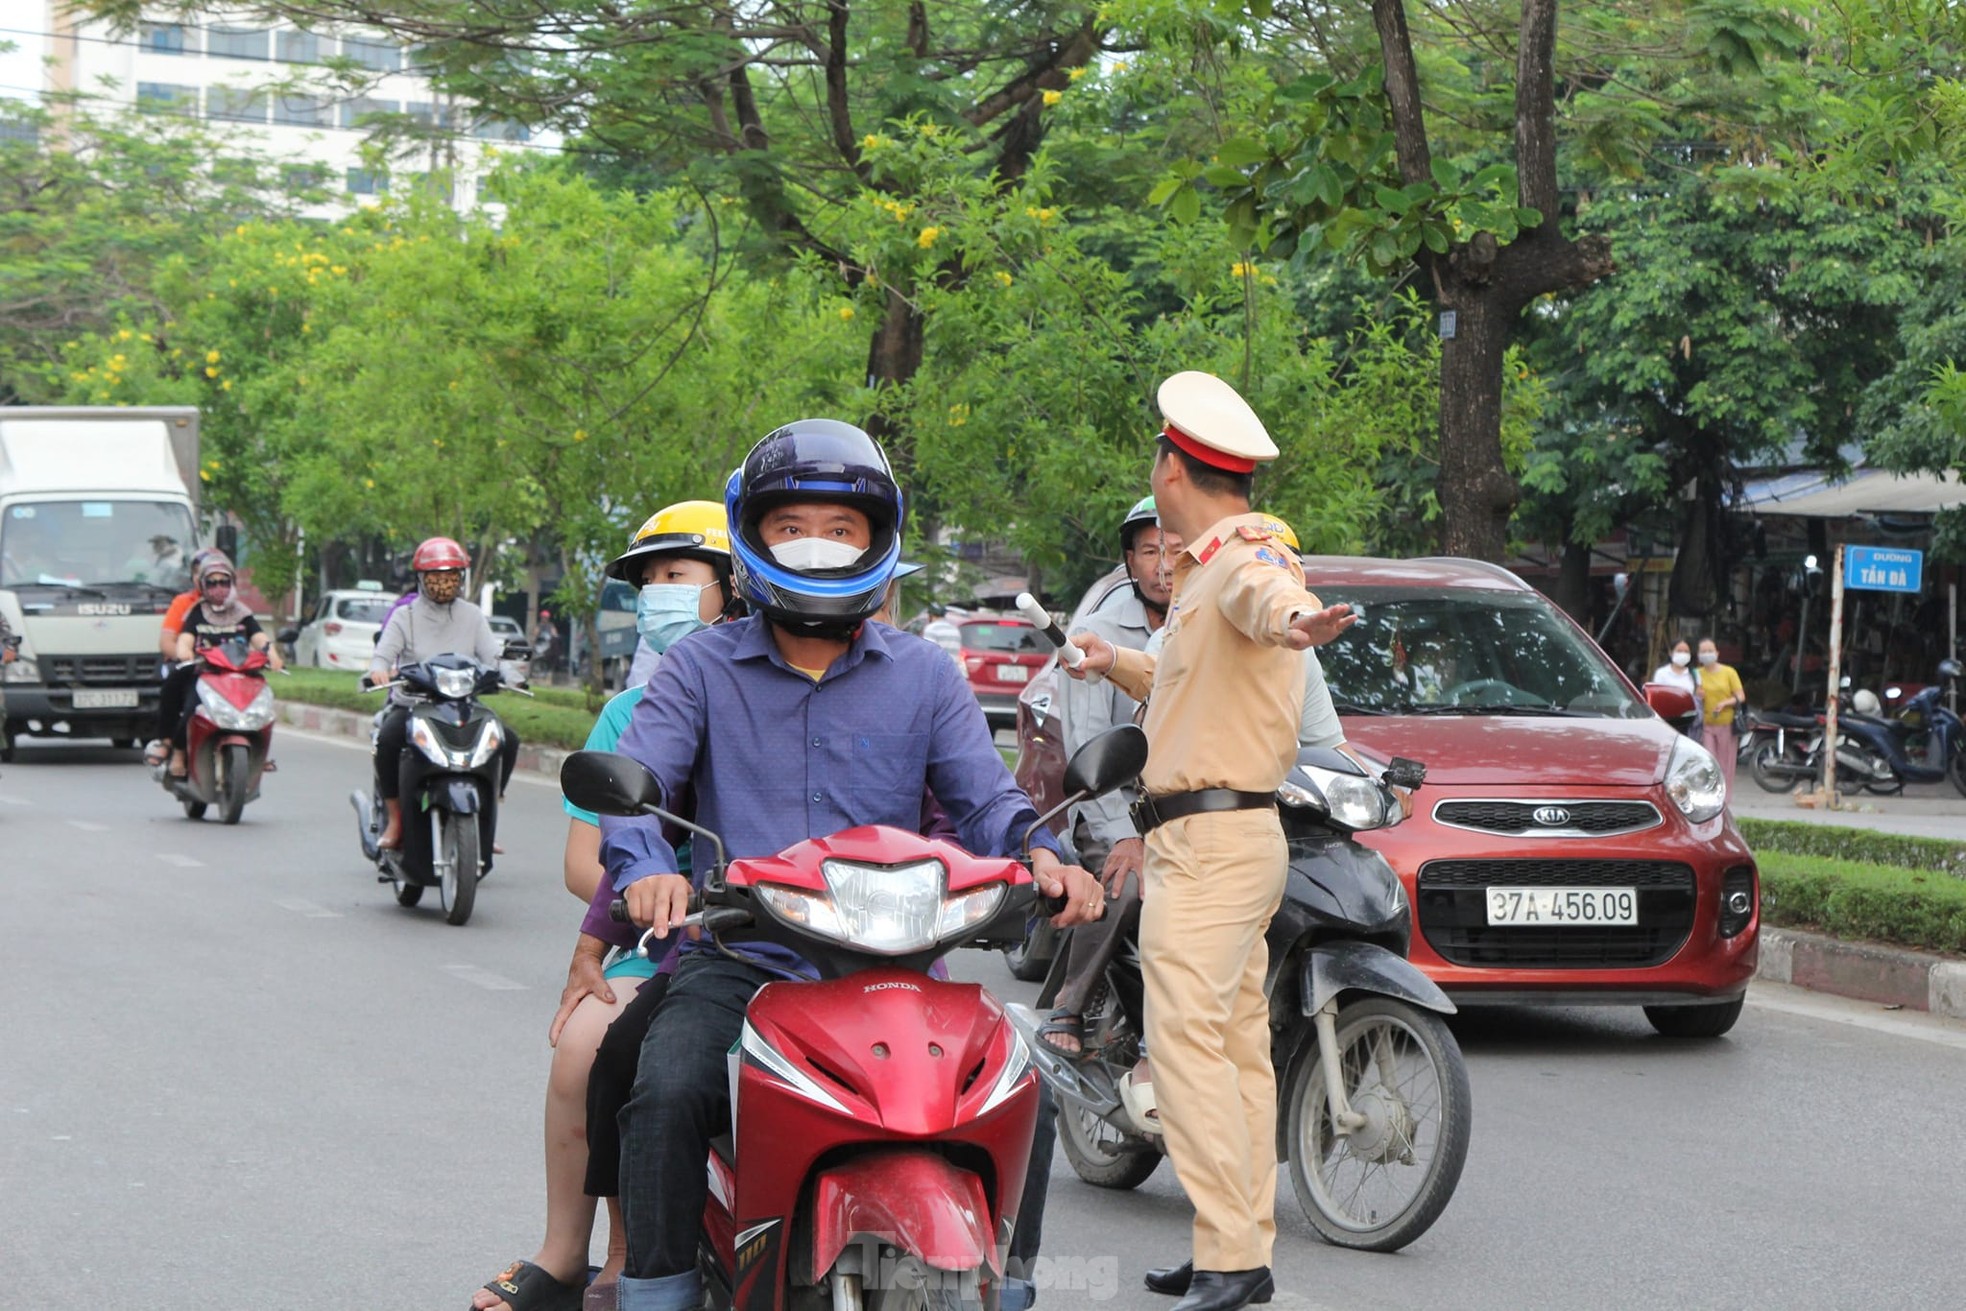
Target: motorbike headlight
(22, 670)
(456, 684)
(487, 746)
(249, 718)
(1693, 781)
(1350, 801)
(889, 910)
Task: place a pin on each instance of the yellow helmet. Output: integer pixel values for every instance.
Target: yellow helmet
(1282, 531)
(693, 528)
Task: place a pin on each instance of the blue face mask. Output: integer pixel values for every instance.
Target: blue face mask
(666, 613)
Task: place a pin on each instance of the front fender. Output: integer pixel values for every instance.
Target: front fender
(1335, 967)
(920, 1203)
(457, 795)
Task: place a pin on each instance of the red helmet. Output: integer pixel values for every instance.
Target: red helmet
(439, 553)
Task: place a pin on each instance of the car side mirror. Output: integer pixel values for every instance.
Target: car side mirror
(608, 783)
(1108, 760)
(1672, 704)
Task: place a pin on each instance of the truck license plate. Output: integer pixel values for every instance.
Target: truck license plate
(121, 699)
(1559, 906)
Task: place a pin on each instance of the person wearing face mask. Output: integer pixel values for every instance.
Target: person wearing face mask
(437, 622)
(1678, 672)
(218, 616)
(680, 562)
(1721, 694)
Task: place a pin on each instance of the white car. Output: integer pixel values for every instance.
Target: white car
(341, 630)
(515, 666)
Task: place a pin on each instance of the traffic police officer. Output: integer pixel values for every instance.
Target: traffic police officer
(1222, 723)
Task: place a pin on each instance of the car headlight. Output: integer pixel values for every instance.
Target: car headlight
(1350, 801)
(889, 910)
(456, 683)
(249, 718)
(22, 670)
(1693, 781)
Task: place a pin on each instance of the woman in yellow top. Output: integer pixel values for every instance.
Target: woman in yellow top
(1722, 693)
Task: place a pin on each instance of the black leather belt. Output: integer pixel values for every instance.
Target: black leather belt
(1150, 813)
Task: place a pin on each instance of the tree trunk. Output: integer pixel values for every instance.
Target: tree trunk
(894, 356)
(1573, 582)
(1476, 493)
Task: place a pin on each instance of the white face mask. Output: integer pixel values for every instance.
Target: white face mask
(1709, 657)
(809, 554)
(1682, 658)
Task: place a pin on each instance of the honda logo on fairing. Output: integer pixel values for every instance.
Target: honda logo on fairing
(1551, 816)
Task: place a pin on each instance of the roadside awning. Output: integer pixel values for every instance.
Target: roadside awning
(1867, 491)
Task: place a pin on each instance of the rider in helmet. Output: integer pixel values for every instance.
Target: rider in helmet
(217, 615)
(794, 723)
(437, 622)
(687, 538)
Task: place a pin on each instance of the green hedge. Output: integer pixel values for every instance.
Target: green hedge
(1798, 838)
(1851, 899)
(556, 716)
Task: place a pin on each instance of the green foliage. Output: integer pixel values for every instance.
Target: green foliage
(1850, 899)
(554, 717)
(1870, 846)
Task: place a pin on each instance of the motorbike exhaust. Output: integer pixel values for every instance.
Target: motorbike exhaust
(365, 823)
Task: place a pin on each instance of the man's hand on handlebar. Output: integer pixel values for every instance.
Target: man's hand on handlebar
(1085, 900)
(1099, 655)
(660, 901)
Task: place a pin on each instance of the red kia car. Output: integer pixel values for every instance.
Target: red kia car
(1001, 654)
(1569, 847)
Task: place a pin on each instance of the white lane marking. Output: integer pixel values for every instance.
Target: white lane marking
(484, 978)
(307, 908)
(88, 827)
(182, 862)
(1916, 1025)
(351, 744)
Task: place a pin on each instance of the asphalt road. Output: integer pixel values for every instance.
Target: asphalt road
(234, 1074)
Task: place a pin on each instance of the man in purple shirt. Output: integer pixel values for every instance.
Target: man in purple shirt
(795, 723)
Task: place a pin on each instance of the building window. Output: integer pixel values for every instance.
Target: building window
(367, 182)
(297, 179)
(238, 42)
(381, 55)
(498, 129)
(297, 47)
(353, 112)
(236, 104)
(164, 39)
(301, 111)
(13, 130)
(166, 98)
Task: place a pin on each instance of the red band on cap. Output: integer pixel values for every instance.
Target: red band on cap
(1208, 455)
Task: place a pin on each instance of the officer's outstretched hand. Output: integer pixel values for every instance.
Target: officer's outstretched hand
(1099, 655)
(1085, 900)
(1317, 627)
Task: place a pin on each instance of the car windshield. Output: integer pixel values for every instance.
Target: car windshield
(363, 609)
(96, 544)
(1011, 639)
(1432, 651)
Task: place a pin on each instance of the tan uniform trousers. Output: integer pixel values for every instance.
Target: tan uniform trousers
(1212, 883)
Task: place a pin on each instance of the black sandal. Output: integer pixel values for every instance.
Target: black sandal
(528, 1287)
(1069, 1024)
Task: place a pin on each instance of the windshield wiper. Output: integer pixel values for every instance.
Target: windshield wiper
(1352, 708)
(1557, 712)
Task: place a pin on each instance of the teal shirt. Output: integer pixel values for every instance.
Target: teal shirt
(606, 732)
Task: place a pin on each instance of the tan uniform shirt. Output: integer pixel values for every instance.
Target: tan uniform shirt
(1226, 691)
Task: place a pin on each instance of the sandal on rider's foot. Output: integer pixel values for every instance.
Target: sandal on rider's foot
(157, 753)
(528, 1287)
(1137, 1096)
(1062, 1023)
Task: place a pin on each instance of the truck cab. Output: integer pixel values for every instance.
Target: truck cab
(98, 524)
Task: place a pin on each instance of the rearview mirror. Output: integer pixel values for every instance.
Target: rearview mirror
(1672, 704)
(287, 636)
(608, 783)
(1116, 755)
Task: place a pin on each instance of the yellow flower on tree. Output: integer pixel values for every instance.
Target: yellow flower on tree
(1077, 73)
(872, 141)
(211, 357)
(1052, 97)
(1004, 279)
(211, 371)
(928, 237)
(846, 313)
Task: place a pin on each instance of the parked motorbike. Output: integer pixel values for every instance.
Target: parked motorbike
(449, 786)
(1923, 742)
(1375, 1105)
(1788, 749)
(882, 1119)
(229, 735)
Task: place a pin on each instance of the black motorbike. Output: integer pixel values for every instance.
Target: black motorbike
(1375, 1107)
(450, 785)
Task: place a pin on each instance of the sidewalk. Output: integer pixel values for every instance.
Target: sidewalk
(1926, 810)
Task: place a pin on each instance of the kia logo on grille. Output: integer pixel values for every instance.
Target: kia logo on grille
(1551, 816)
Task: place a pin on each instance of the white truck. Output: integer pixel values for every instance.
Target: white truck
(98, 523)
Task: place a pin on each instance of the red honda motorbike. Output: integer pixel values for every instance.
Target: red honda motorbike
(230, 733)
(882, 1120)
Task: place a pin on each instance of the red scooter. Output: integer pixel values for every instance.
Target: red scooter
(882, 1119)
(229, 735)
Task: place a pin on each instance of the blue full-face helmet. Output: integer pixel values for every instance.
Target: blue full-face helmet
(814, 460)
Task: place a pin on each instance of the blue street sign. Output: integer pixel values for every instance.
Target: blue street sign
(1883, 568)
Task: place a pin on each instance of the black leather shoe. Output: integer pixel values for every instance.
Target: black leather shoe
(1226, 1290)
(1171, 1279)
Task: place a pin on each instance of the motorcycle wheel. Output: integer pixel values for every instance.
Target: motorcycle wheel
(1101, 1155)
(912, 1285)
(408, 894)
(194, 810)
(1956, 771)
(1030, 959)
(1765, 768)
(1383, 1191)
(458, 844)
(234, 778)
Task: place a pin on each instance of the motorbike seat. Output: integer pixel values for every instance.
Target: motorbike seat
(1784, 719)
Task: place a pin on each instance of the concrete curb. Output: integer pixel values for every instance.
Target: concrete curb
(543, 761)
(1889, 976)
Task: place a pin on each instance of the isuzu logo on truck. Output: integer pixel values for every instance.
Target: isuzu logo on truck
(103, 608)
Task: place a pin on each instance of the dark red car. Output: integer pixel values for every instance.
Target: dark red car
(1001, 655)
(1569, 845)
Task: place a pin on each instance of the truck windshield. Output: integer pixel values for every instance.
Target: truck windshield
(95, 544)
